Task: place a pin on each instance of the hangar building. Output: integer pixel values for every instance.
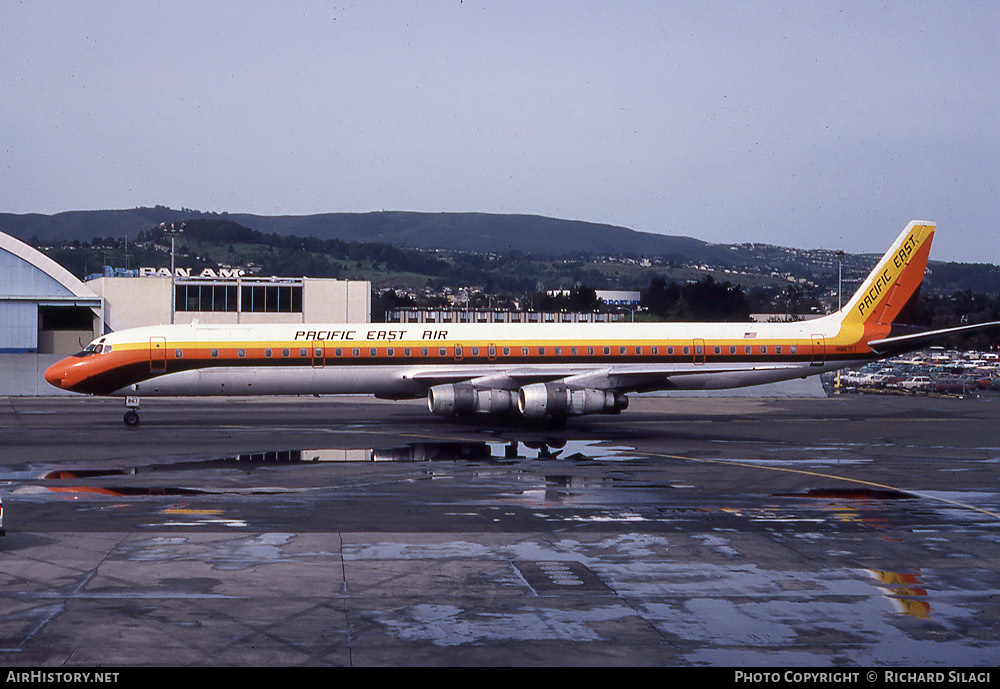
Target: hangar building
(43, 307)
(45, 313)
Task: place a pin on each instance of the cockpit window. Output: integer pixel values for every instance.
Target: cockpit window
(92, 348)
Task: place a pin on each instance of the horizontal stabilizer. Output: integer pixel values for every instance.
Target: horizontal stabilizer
(901, 343)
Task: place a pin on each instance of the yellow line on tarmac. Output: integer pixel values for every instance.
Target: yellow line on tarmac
(766, 467)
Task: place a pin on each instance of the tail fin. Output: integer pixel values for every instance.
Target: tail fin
(892, 287)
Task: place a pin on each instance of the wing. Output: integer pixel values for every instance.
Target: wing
(632, 378)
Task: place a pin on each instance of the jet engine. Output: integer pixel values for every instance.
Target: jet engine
(541, 400)
(464, 399)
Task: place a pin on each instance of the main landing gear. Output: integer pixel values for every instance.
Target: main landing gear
(131, 417)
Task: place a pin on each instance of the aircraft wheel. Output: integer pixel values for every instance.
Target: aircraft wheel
(131, 418)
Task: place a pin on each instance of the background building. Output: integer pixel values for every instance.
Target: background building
(610, 297)
(136, 301)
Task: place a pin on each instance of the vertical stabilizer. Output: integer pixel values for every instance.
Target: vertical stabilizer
(889, 292)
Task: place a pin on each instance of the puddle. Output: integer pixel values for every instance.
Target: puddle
(582, 450)
(161, 477)
(851, 494)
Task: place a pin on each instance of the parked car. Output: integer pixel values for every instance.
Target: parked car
(917, 383)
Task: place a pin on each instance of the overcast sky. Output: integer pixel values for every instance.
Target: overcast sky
(804, 124)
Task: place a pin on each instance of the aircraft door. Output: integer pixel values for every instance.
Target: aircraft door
(818, 350)
(157, 354)
(698, 348)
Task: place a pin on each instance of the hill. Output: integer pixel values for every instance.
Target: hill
(478, 232)
(533, 236)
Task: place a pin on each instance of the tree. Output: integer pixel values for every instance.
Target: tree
(705, 300)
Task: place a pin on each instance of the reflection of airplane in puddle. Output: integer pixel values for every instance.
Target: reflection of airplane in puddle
(905, 591)
(72, 481)
(435, 451)
(410, 452)
(538, 371)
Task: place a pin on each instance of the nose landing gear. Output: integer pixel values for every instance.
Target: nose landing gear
(131, 417)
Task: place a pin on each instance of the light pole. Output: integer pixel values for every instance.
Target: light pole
(840, 281)
(173, 231)
(840, 274)
(631, 311)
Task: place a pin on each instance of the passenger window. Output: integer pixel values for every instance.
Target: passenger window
(215, 353)
(178, 353)
(241, 353)
(267, 353)
(285, 352)
(338, 352)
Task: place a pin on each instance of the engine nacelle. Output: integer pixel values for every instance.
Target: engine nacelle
(541, 400)
(464, 399)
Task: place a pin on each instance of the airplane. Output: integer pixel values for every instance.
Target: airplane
(550, 371)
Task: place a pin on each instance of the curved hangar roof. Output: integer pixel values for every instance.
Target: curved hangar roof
(27, 272)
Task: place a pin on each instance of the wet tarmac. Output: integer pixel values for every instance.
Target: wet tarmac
(862, 531)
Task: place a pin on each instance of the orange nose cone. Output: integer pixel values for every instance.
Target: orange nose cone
(55, 373)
